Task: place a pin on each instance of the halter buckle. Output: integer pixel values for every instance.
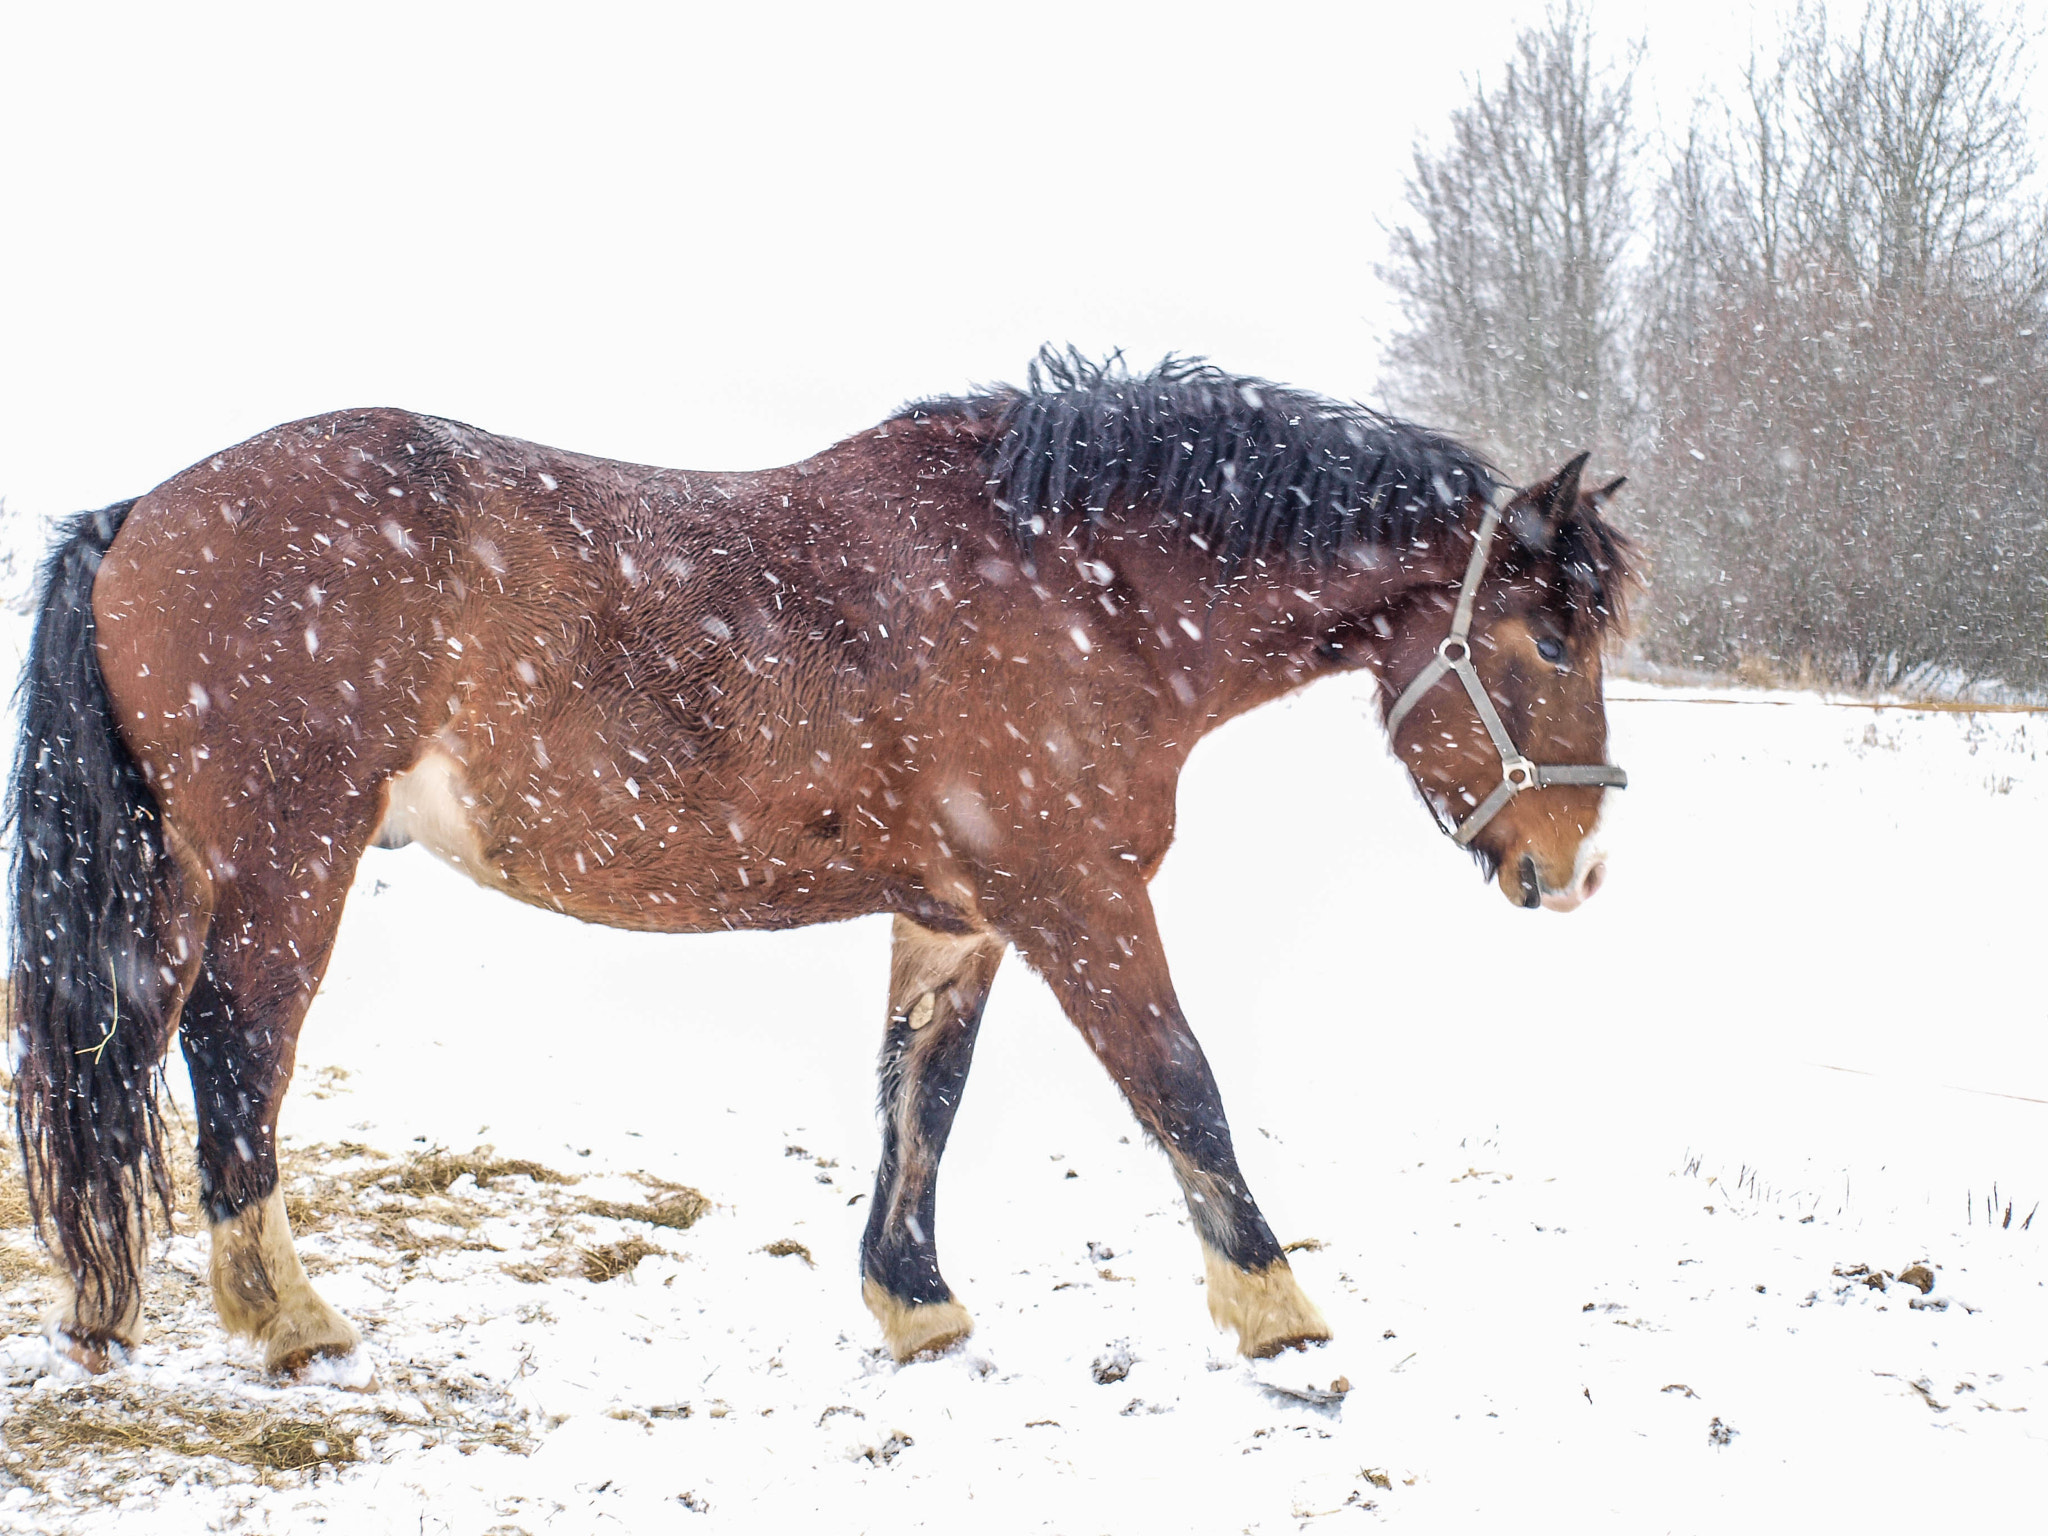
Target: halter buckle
(1443, 649)
(1519, 773)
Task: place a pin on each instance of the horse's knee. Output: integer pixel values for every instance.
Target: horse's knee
(261, 1291)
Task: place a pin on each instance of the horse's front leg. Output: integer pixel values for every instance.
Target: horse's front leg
(1103, 958)
(938, 984)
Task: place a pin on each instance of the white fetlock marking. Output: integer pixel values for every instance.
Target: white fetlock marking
(916, 1329)
(1265, 1307)
(261, 1291)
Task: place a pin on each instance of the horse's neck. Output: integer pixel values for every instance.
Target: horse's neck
(1269, 630)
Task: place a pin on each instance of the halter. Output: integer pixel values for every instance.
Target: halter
(1454, 654)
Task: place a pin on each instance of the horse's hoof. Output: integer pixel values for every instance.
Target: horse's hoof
(97, 1356)
(304, 1333)
(294, 1354)
(350, 1370)
(1264, 1306)
(917, 1330)
(1266, 1348)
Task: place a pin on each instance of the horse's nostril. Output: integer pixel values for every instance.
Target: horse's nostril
(1594, 875)
(1532, 888)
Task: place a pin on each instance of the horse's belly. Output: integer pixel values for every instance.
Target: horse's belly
(673, 874)
(431, 804)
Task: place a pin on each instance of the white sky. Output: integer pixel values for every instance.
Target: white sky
(716, 236)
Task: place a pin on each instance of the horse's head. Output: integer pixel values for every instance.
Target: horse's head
(1522, 790)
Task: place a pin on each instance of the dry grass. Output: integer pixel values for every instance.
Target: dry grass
(409, 1205)
(13, 1192)
(79, 1444)
(57, 1431)
(21, 1256)
(789, 1248)
(675, 1206)
(417, 1206)
(527, 1273)
(432, 1172)
(615, 1259)
(14, 1213)
(21, 1259)
(400, 1205)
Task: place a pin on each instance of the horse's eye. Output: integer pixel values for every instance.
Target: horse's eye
(1551, 650)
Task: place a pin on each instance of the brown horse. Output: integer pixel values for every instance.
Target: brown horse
(948, 669)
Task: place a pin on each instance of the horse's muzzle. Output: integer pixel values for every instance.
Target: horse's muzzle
(1588, 873)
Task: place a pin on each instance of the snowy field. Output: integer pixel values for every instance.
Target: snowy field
(1610, 1211)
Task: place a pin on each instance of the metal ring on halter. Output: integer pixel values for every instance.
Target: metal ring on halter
(1443, 649)
(1519, 772)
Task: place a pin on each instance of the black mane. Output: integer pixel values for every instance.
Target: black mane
(1244, 467)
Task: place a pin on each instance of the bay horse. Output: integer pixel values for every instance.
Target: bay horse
(948, 669)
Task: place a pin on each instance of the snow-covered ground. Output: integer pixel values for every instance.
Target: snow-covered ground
(1593, 1202)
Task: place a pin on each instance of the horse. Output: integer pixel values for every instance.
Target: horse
(948, 669)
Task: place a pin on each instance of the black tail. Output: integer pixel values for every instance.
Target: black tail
(88, 999)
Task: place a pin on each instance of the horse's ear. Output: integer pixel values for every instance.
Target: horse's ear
(1560, 497)
(1541, 509)
(1605, 494)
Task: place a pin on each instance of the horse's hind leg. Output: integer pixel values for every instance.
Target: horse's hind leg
(240, 1035)
(938, 984)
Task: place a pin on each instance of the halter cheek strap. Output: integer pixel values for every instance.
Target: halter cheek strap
(1454, 655)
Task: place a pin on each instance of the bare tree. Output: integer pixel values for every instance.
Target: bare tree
(1510, 271)
(1918, 140)
(1843, 340)
(1895, 158)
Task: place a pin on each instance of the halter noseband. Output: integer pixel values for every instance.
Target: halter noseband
(1454, 654)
